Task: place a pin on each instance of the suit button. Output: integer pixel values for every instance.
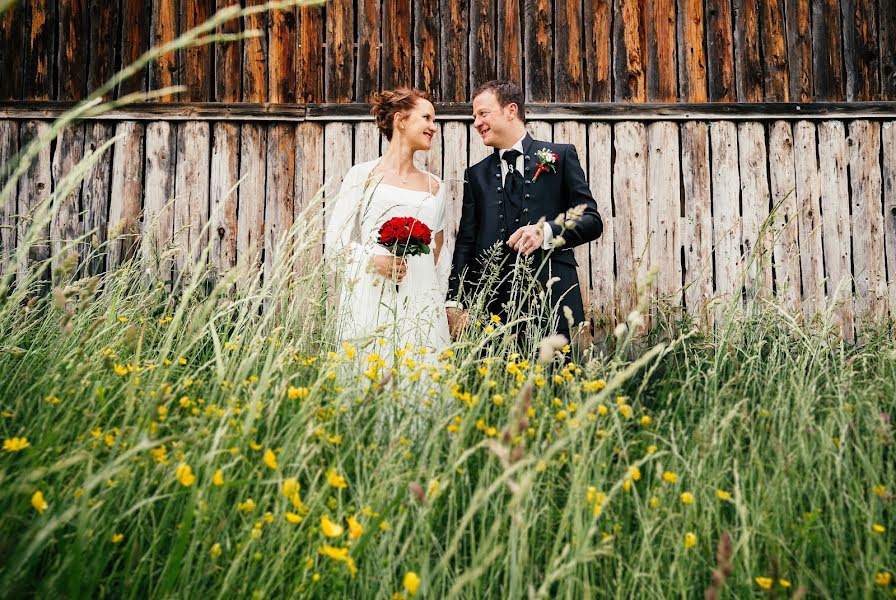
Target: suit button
(527, 182)
(527, 168)
(525, 210)
(527, 157)
(500, 202)
(501, 217)
(517, 221)
(499, 188)
(497, 175)
(527, 195)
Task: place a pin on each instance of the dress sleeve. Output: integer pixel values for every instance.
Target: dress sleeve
(441, 208)
(342, 240)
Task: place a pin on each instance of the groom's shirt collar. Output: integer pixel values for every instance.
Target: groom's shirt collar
(517, 146)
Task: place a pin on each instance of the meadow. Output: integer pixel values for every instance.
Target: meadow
(214, 441)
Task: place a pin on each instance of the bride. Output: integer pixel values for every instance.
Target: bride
(387, 302)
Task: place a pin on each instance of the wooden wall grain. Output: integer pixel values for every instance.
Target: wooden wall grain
(797, 210)
(559, 50)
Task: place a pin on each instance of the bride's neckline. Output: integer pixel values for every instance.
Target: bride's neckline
(398, 187)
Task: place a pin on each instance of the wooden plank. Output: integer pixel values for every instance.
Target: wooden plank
(163, 72)
(808, 193)
(661, 58)
(629, 51)
(691, 53)
(483, 42)
(571, 132)
(337, 159)
(538, 48)
(367, 68)
(697, 226)
(748, 65)
(868, 225)
(310, 59)
(282, 55)
(426, 41)
(865, 67)
(255, 56)
(396, 38)
(135, 36)
(602, 264)
(338, 80)
(158, 211)
(888, 141)
(367, 142)
(281, 186)
(784, 218)
(95, 195)
(568, 43)
(455, 137)
(197, 60)
(827, 67)
(40, 45)
(223, 197)
(33, 194)
(774, 51)
(126, 200)
(12, 51)
(663, 210)
(65, 224)
(191, 195)
(832, 161)
(104, 18)
(887, 35)
(9, 146)
(754, 192)
(726, 214)
(510, 41)
(630, 227)
(228, 60)
(309, 163)
(598, 17)
(250, 215)
(454, 55)
(720, 53)
(539, 130)
(848, 39)
(74, 51)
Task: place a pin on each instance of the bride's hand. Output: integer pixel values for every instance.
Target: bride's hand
(390, 267)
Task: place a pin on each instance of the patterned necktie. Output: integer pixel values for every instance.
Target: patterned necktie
(513, 188)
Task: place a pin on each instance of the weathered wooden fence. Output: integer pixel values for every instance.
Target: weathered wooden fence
(573, 50)
(691, 197)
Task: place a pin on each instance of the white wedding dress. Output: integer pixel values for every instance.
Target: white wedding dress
(372, 313)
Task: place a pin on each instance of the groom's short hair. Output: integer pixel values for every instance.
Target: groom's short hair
(506, 92)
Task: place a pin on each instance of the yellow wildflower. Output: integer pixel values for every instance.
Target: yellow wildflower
(297, 393)
(690, 540)
(670, 477)
(329, 528)
(687, 498)
(270, 459)
(247, 506)
(723, 495)
(120, 369)
(185, 475)
(336, 480)
(255, 445)
(117, 538)
(784, 583)
(354, 528)
(883, 578)
(215, 551)
(764, 582)
(635, 473)
(293, 518)
(290, 487)
(877, 528)
(879, 490)
(38, 502)
(646, 420)
(218, 478)
(655, 502)
(411, 582)
(15, 444)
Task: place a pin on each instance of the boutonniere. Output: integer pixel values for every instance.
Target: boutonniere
(547, 161)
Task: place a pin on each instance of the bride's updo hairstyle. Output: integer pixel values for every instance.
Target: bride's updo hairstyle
(388, 103)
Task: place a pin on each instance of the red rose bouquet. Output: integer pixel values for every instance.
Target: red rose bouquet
(405, 236)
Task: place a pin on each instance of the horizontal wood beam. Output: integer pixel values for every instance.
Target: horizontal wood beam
(461, 111)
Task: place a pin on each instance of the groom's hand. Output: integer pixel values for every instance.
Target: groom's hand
(528, 239)
(457, 320)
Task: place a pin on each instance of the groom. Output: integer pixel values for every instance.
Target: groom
(514, 197)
